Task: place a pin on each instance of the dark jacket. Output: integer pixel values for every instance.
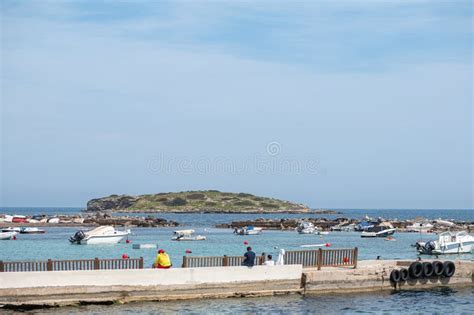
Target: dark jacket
(249, 260)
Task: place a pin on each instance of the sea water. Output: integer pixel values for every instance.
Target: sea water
(442, 300)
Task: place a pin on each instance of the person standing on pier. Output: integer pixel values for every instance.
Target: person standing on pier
(249, 260)
(163, 260)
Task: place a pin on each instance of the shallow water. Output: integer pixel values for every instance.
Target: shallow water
(434, 301)
(55, 245)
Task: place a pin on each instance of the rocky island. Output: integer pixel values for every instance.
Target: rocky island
(206, 201)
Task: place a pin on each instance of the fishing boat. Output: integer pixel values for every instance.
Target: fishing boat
(7, 235)
(248, 230)
(378, 231)
(447, 243)
(187, 235)
(31, 230)
(100, 235)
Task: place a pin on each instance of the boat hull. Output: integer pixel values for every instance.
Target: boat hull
(384, 233)
(7, 235)
(453, 248)
(107, 239)
(189, 239)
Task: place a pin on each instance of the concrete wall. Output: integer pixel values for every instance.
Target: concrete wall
(69, 287)
(372, 275)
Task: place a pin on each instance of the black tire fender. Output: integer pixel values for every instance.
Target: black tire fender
(415, 270)
(438, 268)
(427, 269)
(395, 276)
(449, 269)
(403, 274)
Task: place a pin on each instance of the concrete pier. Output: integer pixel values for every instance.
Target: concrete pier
(56, 288)
(374, 275)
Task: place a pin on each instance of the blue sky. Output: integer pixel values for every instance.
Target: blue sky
(376, 95)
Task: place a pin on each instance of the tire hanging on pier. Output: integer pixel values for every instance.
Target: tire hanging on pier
(427, 269)
(438, 268)
(415, 270)
(395, 276)
(449, 269)
(403, 274)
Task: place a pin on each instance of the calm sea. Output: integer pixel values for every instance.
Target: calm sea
(432, 301)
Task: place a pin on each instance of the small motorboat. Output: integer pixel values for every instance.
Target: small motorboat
(31, 230)
(100, 235)
(378, 231)
(420, 227)
(248, 230)
(187, 235)
(12, 229)
(19, 219)
(7, 235)
(447, 243)
(305, 227)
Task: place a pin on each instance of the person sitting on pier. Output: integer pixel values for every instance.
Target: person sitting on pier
(163, 260)
(249, 260)
(269, 261)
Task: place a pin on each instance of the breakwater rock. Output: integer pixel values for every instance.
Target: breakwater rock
(284, 224)
(346, 224)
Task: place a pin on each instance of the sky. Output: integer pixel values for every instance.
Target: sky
(334, 104)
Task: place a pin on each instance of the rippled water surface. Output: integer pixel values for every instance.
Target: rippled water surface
(435, 301)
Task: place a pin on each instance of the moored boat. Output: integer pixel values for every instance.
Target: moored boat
(100, 235)
(447, 243)
(305, 227)
(7, 235)
(378, 231)
(248, 230)
(12, 229)
(31, 230)
(421, 227)
(187, 235)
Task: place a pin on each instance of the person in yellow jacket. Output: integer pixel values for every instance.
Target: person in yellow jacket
(162, 260)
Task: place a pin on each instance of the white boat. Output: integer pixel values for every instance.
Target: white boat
(420, 227)
(378, 232)
(7, 235)
(447, 243)
(187, 235)
(100, 235)
(248, 230)
(12, 229)
(444, 223)
(31, 230)
(53, 220)
(305, 227)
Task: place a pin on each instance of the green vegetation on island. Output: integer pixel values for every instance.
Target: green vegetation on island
(194, 201)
